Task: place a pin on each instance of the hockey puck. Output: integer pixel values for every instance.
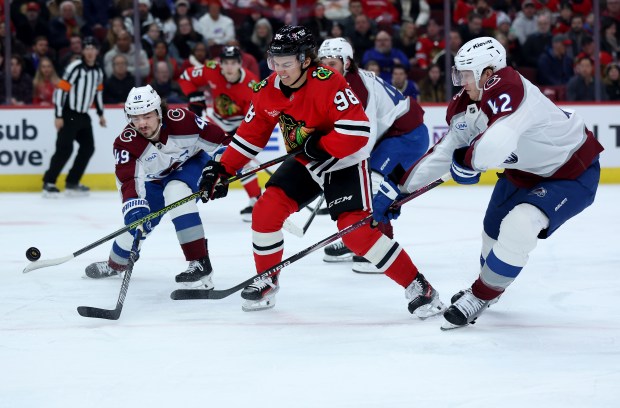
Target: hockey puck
(33, 254)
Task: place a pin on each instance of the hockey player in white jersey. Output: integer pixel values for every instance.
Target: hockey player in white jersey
(550, 161)
(398, 134)
(160, 155)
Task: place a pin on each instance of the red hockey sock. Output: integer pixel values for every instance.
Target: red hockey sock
(482, 291)
(268, 216)
(252, 188)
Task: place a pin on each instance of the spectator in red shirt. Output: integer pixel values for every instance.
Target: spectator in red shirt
(44, 83)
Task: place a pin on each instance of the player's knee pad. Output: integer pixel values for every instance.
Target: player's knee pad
(271, 210)
(518, 234)
(174, 191)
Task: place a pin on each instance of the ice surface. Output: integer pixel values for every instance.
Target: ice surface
(334, 339)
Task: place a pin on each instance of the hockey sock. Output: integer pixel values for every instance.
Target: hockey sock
(268, 216)
(252, 187)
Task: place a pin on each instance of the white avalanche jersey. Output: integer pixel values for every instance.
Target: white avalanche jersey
(389, 112)
(182, 136)
(513, 127)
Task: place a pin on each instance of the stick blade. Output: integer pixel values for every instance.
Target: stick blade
(193, 294)
(293, 229)
(44, 263)
(97, 313)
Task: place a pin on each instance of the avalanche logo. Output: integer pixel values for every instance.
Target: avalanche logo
(491, 82)
(176, 114)
(539, 191)
(127, 135)
(512, 159)
(294, 133)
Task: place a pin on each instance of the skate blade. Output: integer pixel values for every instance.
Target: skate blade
(338, 258)
(199, 284)
(432, 309)
(258, 305)
(366, 267)
(53, 196)
(449, 326)
(76, 194)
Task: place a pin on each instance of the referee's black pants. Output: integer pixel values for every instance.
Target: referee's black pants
(77, 127)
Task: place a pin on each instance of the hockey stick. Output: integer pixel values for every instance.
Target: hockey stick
(186, 294)
(114, 314)
(43, 263)
(300, 232)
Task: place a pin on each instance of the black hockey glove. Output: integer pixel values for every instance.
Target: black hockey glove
(197, 103)
(213, 181)
(312, 149)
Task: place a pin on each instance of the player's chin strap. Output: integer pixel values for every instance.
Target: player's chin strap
(301, 75)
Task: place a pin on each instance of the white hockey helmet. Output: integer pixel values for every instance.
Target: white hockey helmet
(336, 48)
(141, 100)
(476, 55)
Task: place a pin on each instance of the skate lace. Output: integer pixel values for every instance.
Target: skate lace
(469, 304)
(262, 284)
(338, 245)
(193, 266)
(419, 287)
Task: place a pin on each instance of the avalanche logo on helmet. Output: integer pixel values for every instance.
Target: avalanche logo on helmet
(321, 73)
(294, 133)
(257, 87)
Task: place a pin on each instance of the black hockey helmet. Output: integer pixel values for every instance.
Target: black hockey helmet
(292, 40)
(230, 52)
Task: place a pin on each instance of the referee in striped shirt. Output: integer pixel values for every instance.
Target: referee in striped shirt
(81, 83)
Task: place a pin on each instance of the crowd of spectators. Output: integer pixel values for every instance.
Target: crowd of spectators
(551, 42)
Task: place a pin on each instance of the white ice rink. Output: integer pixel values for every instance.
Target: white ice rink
(334, 339)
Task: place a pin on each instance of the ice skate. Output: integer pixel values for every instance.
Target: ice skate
(50, 190)
(103, 269)
(423, 299)
(337, 252)
(465, 310)
(362, 265)
(76, 190)
(246, 213)
(197, 275)
(260, 295)
(460, 293)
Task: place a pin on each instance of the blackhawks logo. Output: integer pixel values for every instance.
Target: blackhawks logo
(321, 73)
(224, 106)
(294, 133)
(260, 85)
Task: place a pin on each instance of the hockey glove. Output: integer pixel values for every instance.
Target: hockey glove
(461, 173)
(387, 194)
(197, 103)
(213, 181)
(312, 149)
(135, 209)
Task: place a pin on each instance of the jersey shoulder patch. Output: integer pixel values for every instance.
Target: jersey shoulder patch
(260, 85)
(502, 93)
(322, 73)
(130, 140)
(211, 64)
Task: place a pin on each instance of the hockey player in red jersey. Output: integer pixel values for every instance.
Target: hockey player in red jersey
(398, 134)
(550, 161)
(320, 115)
(159, 159)
(231, 89)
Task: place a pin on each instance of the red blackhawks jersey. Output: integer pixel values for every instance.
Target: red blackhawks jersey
(182, 136)
(230, 100)
(325, 105)
(513, 127)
